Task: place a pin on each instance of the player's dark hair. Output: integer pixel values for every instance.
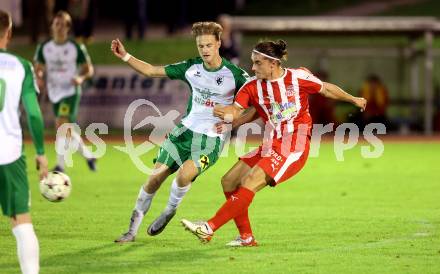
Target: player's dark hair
(202, 28)
(65, 16)
(5, 22)
(274, 49)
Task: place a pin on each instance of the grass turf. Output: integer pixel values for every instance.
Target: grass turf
(357, 216)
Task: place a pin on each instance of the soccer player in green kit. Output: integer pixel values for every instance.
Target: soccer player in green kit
(17, 83)
(64, 65)
(211, 79)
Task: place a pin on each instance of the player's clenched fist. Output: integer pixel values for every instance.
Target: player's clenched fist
(360, 103)
(118, 49)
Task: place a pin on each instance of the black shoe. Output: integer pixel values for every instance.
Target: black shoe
(58, 169)
(92, 164)
(160, 223)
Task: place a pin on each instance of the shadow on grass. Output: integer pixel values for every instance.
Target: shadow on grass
(115, 258)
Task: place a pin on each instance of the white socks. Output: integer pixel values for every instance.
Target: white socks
(61, 146)
(176, 195)
(82, 148)
(143, 203)
(27, 248)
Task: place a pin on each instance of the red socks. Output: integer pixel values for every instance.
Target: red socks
(241, 221)
(236, 205)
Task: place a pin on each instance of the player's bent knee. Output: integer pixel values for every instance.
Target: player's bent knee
(228, 184)
(153, 184)
(184, 180)
(186, 174)
(21, 219)
(253, 182)
(225, 180)
(247, 180)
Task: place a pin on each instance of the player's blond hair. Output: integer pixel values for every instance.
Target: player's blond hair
(64, 15)
(5, 22)
(207, 28)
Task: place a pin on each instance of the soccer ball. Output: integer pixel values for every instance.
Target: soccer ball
(56, 186)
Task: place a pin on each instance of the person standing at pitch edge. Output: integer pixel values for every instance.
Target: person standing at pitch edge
(280, 96)
(194, 145)
(64, 65)
(17, 83)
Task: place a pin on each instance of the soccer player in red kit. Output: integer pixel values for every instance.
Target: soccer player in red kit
(280, 97)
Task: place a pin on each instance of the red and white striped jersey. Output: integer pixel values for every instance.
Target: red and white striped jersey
(282, 102)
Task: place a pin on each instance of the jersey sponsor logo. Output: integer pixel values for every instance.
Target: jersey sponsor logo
(204, 97)
(58, 66)
(204, 161)
(282, 112)
(275, 154)
(275, 159)
(219, 80)
(201, 101)
(205, 93)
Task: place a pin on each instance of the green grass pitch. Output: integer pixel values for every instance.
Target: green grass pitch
(357, 216)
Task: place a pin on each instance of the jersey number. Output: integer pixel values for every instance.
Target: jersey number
(2, 93)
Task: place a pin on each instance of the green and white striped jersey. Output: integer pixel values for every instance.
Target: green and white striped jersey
(17, 83)
(62, 63)
(208, 87)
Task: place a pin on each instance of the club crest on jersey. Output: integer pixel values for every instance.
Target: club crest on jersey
(290, 91)
(197, 74)
(204, 161)
(219, 79)
(64, 109)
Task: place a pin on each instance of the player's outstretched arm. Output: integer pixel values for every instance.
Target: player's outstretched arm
(334, 92)
(140, 66)
(248, 115)
(228, 113)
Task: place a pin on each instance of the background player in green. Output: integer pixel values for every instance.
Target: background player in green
(194, 145)
(17, 83)
(64, 65)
